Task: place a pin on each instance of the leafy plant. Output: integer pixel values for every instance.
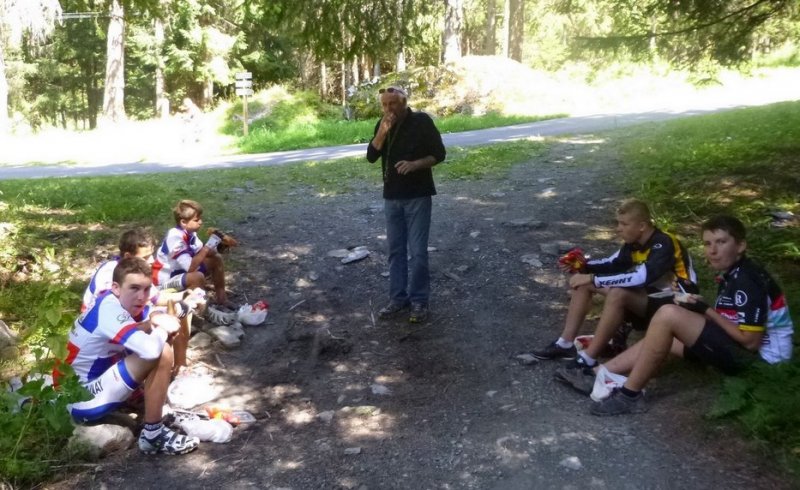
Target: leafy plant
(34, 421)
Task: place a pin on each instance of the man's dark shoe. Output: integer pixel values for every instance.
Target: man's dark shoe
(553, 351)
(391, 310)
(618, 404)
(419, 313)
(577, 374)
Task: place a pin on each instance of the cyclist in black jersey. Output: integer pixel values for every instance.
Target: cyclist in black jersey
(749, 320)
(649, 260)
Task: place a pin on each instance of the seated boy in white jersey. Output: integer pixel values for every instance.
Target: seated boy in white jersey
(182, 261)
(120, 344)
(133, 243)
(749, 320)
(138, 242)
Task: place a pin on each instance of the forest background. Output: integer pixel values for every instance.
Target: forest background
(77, 64)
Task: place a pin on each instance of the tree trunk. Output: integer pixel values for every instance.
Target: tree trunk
(491, 28)
(344, 83)
(323, 81)
(516, 28)
(364, 67)
(401, 61)
(114, 93)
(506, 27)
(376, 69)
(355, 72)
(453, 27)
(4, 115)
(162, 103)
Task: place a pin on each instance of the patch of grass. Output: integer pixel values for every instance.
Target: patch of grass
(746, 163)
(299, 120)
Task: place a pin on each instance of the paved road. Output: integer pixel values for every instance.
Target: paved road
(553, 127)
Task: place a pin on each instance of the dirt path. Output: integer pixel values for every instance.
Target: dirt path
(459, 412)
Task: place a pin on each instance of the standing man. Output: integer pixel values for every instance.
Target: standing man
(408, 145)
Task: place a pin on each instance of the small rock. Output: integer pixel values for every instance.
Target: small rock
(491, 393)
(200, 340)
(462, 268)
(498, 194)
(353, 450)
(432, 249)
(385, 274)
(525, 224)
(474, 234)
(526, 359)
(782, 215)
(101, 440)
(7, 336)
(229, 337)
(326, 416)
(452, 276)
(313, 276)
(556, 248)
(379, 389)
(532, 259)
(338, 253)
(476, 249)
(340, 399)
(356, 255)
(571, 462)
(9, 353)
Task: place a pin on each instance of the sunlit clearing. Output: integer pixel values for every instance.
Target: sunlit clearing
(547, 193)
(287, 465)
(389, 378)
(300, 249)
(375, 425)
(34, 209)
(278, 393)
(581, 141)
(297, 416)
(512, 450)
(555, 440)
(600, 233)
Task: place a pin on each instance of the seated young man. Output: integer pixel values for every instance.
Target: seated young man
(749, 320)
(648, 261)
(118, 345)
(182, 261)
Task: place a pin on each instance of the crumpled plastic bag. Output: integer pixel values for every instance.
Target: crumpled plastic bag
(214, 430)
(605, 382)
(191, 389)
(253, 315)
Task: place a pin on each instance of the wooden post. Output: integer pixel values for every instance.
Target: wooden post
(244, 111)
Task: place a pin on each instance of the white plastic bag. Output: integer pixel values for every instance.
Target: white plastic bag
(604, 382)
(192, 389)
(208, 430)
(253, 315)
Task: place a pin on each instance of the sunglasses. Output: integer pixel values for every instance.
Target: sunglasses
(392, 90)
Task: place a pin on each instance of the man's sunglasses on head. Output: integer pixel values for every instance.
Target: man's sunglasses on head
(392, 90)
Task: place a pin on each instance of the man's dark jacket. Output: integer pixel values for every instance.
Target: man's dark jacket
(415, 137)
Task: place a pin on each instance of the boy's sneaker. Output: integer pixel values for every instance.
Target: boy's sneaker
(618, 403)
(168, 442)
(391, 310)
(577, 374)
(553, 351)
(419, 313)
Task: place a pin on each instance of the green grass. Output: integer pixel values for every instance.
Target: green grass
(746, 163)
(300, 121)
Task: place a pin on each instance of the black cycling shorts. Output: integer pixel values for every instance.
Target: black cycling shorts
(653, 304)
(717, 348)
